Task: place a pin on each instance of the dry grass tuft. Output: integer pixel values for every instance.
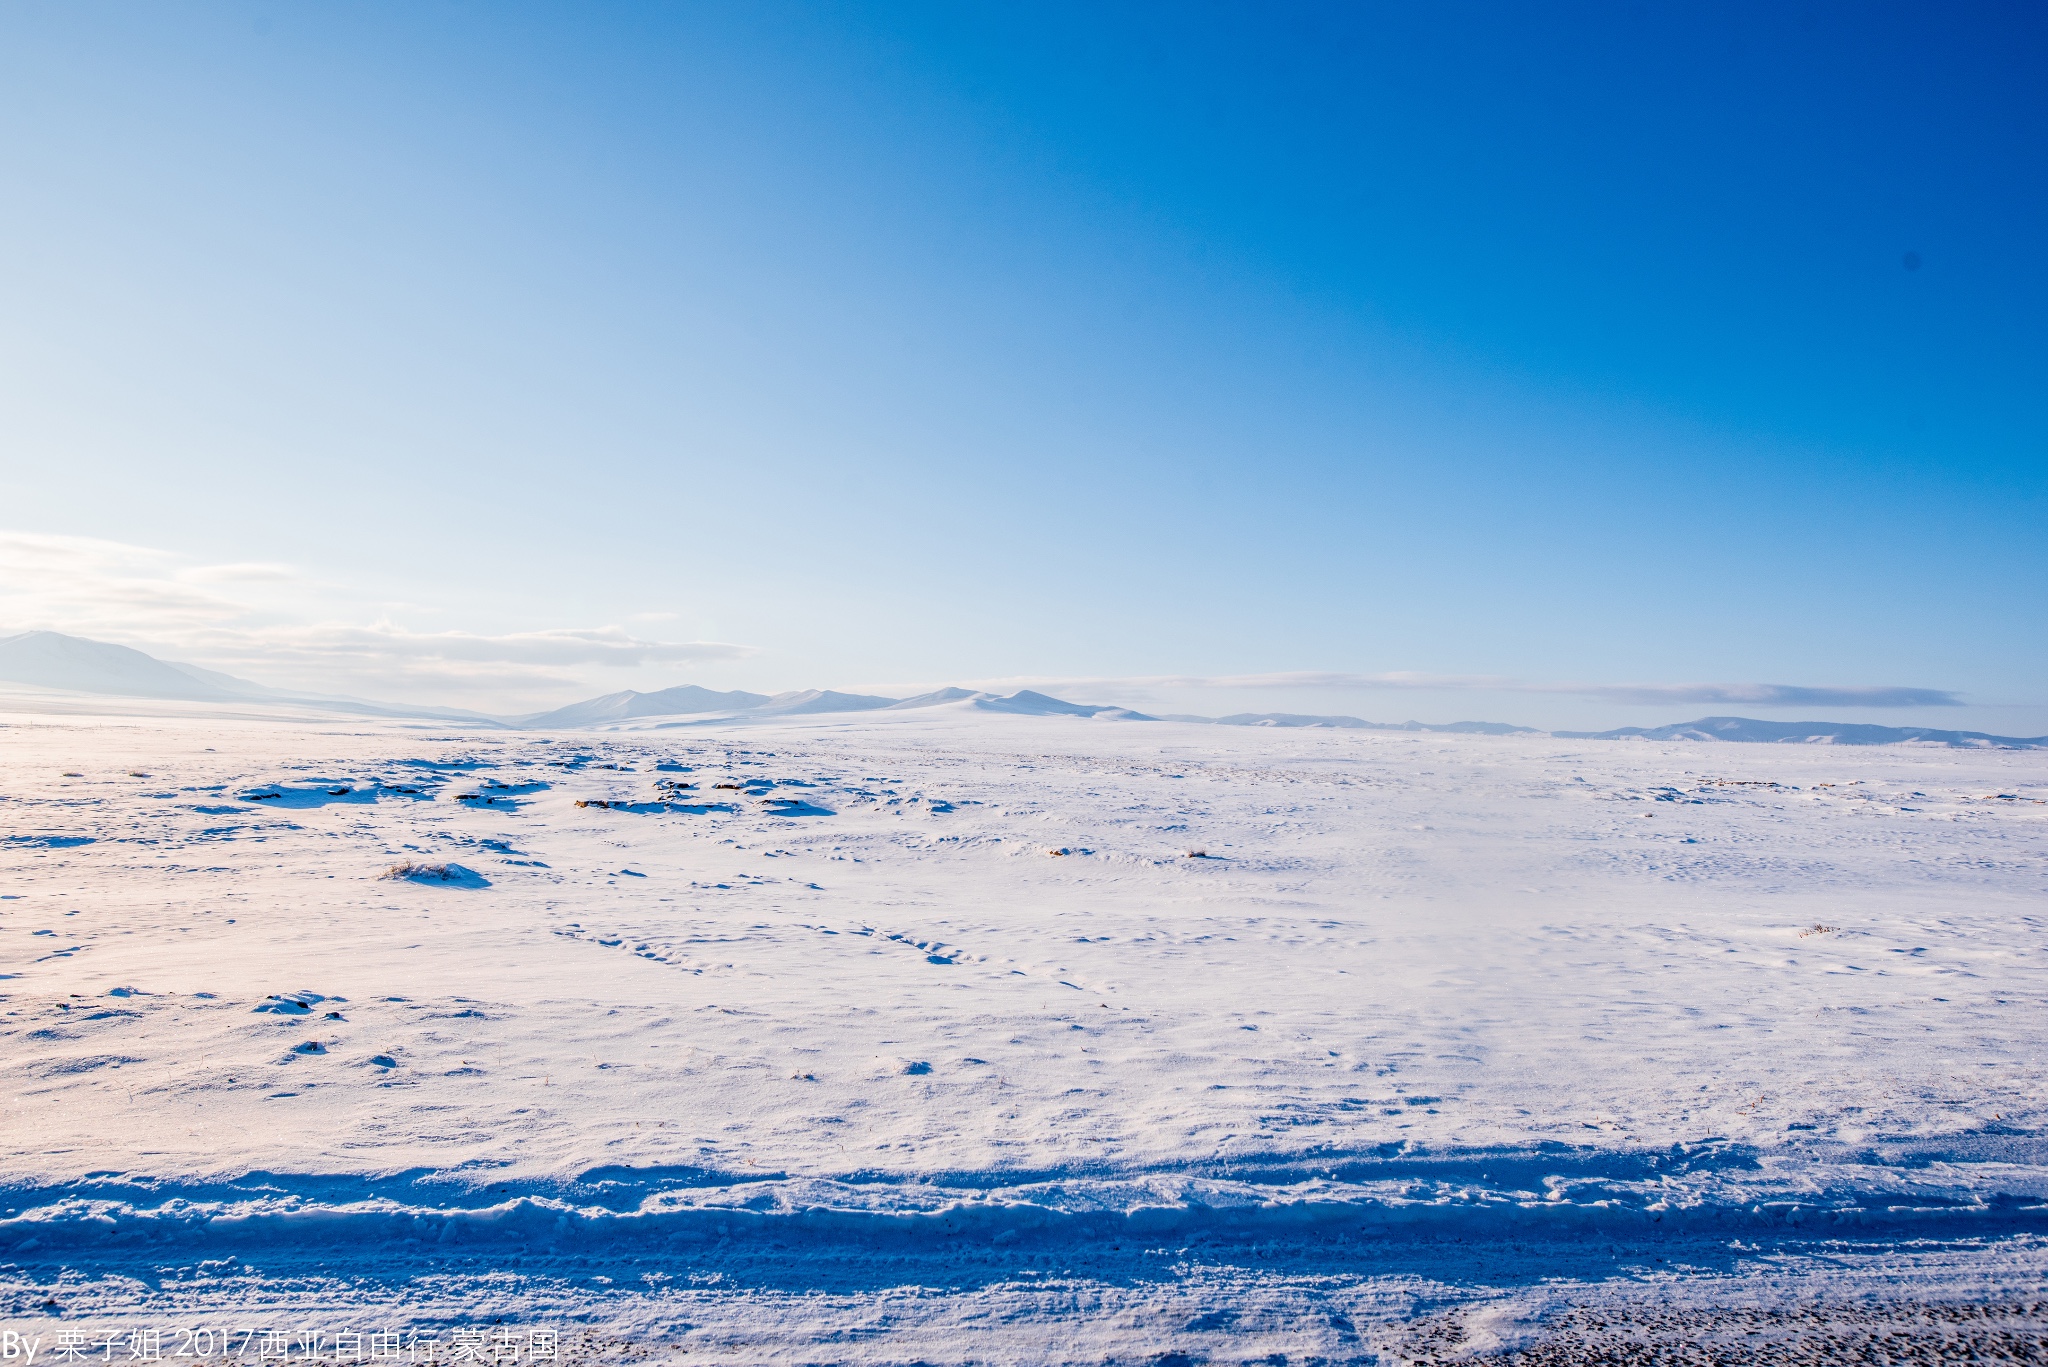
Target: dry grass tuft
(424, 872)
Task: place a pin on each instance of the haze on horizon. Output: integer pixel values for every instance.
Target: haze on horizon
(1538, 366)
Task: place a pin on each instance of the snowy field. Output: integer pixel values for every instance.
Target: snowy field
(950, 1037)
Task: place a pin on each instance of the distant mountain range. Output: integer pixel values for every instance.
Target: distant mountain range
(1809, 733)
(695, 706)
(50, 659)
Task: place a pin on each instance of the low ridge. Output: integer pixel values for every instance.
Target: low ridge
(1482, 728)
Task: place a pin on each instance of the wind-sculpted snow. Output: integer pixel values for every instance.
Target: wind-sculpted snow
(1220, 1035)
(1479, 1195)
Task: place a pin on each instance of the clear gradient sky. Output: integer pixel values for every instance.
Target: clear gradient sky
(498, 353)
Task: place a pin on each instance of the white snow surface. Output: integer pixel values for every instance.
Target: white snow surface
(947, 1035)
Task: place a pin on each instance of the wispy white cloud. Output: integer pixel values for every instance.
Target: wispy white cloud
(609, 646)
(600, 645)
(240, 574)
(276, 624)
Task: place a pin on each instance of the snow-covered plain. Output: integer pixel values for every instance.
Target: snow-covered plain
(947, 1036)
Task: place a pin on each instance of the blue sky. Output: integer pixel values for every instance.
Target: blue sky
(1520, 352)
